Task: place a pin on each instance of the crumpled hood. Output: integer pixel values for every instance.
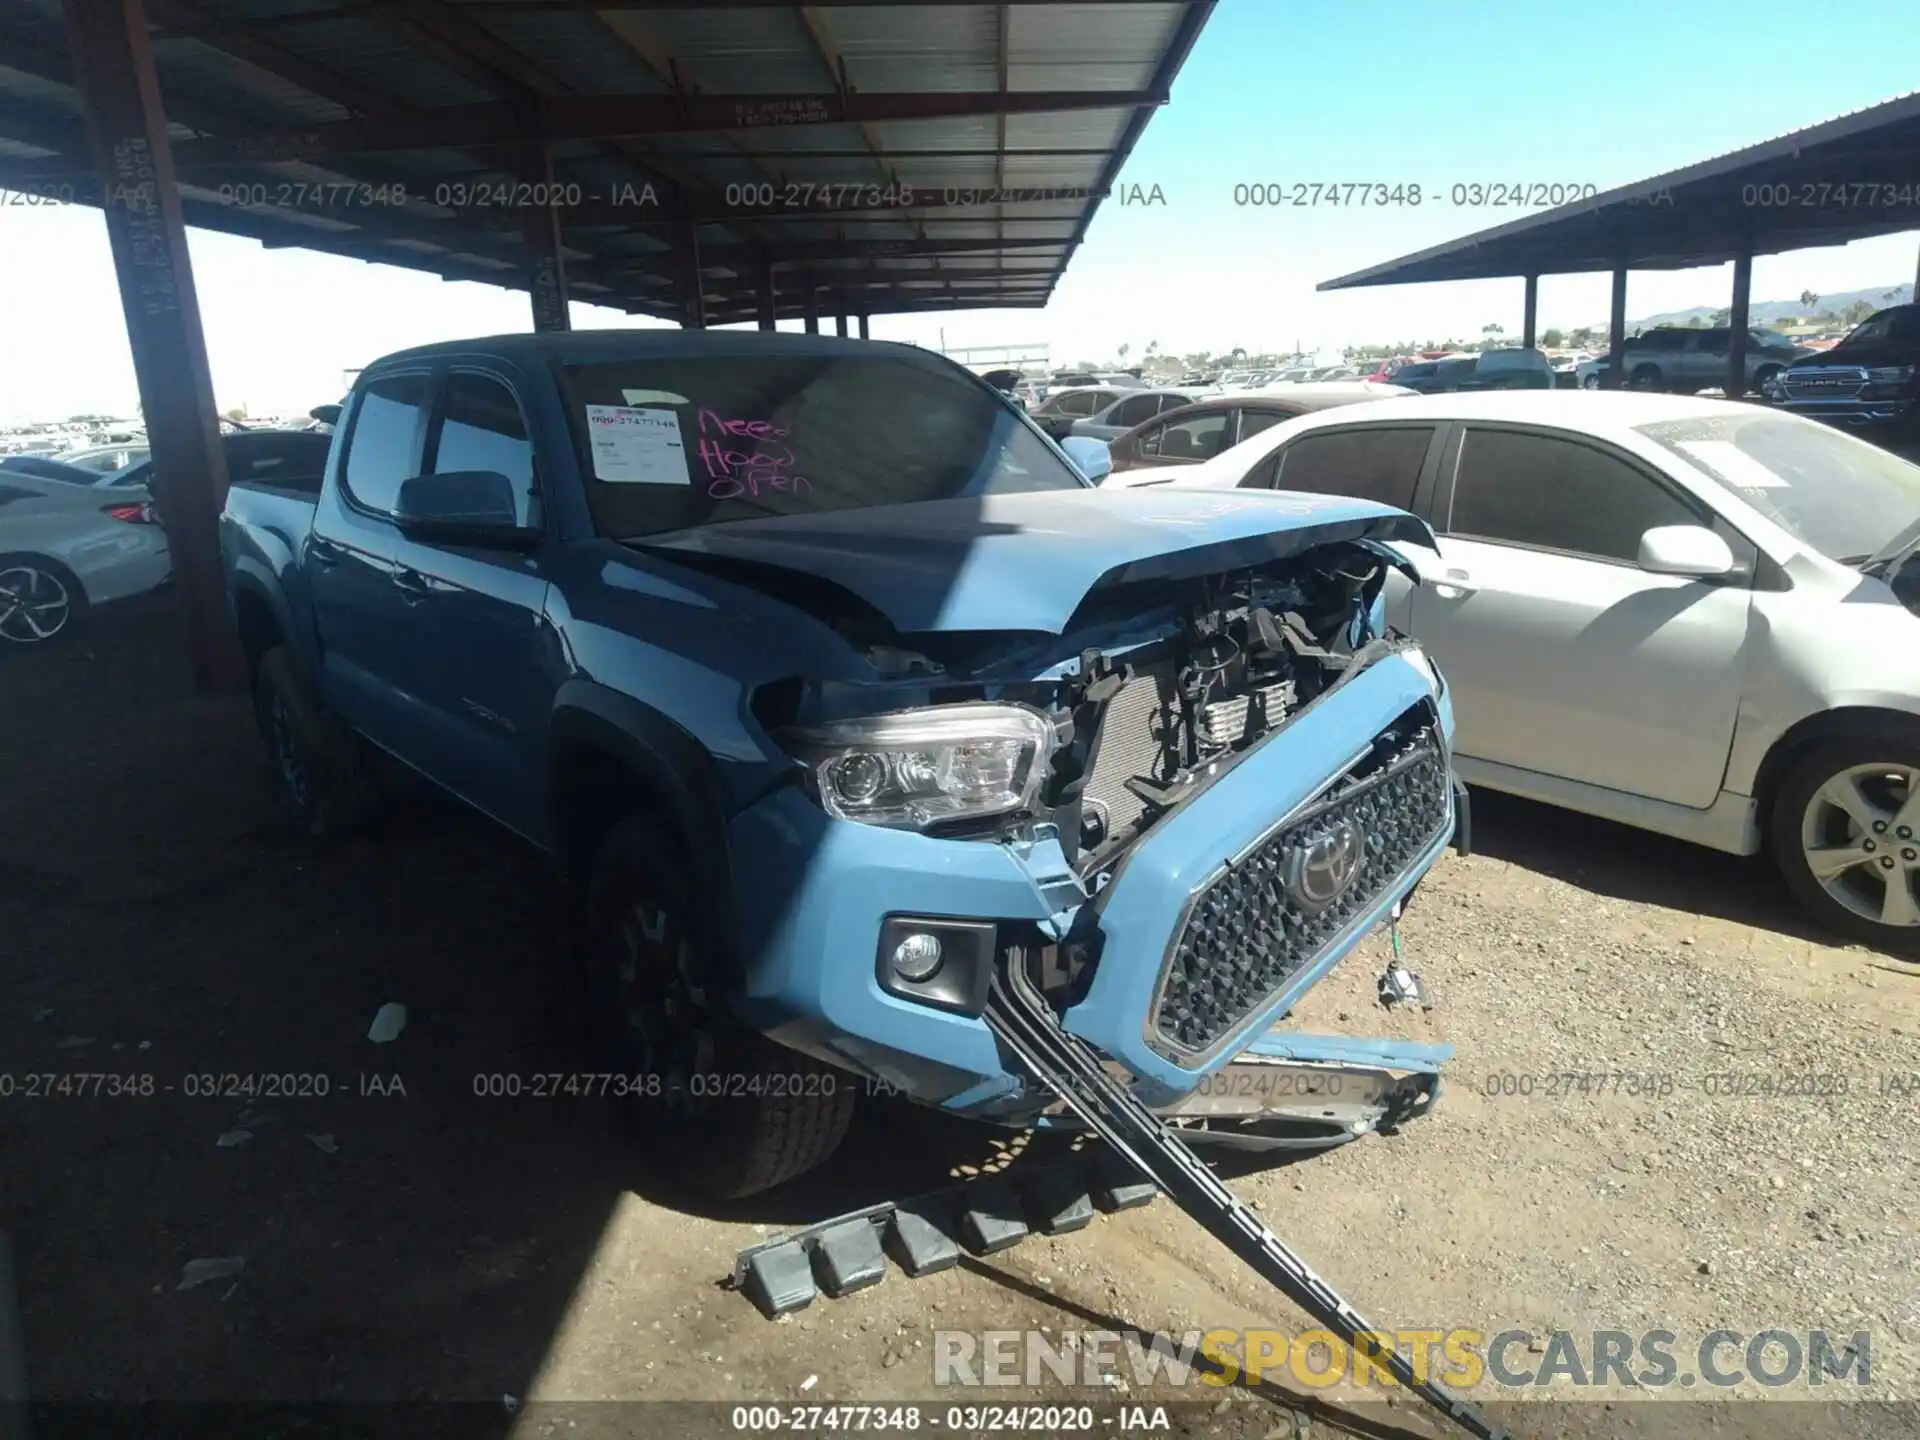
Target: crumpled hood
(1025, 562)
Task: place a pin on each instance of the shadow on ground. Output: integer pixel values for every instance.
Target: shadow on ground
(1629, 864)
(163, 939)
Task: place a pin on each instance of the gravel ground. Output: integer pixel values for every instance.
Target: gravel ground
(444, 1246)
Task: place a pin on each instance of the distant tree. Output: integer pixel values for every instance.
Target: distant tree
(1809, 299)
(1582, 337)
(1125, 350)
(1493, 330)
(1892, 297)
(1857, 311)
(1239, 355)
(1554, 339)
(238, 412)
(1723, 317)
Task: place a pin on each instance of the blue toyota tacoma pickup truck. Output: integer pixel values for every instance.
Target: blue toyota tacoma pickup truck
(832, 685)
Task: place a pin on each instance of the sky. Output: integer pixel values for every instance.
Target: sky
(1276, 91)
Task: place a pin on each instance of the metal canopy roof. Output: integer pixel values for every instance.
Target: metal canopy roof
(1844, 179)
(883, 157)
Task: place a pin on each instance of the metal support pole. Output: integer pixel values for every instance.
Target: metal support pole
(813, 308)
(1737, 324)
(1531, 313)
(113, 64)
(693, 297)
(540, 231)
(766, 296)
(863, 326)
(840, 324)
(1617, 333)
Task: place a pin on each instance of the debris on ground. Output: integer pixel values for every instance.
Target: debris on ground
(1400, 986)
(233, 1139)
(200, 1272)
(326, 1143)
(388, 1022)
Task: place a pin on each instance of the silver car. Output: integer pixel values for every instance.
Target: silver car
(1131, 410)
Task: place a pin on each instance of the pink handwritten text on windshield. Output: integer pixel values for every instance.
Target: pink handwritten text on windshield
(747, 458)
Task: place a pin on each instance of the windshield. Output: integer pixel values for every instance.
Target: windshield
(1902, 322)
(673, 442)
(1841, 496)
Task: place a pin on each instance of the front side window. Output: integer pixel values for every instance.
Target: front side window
(671, 442)
(1902, 323)
(481, 428)
(1553, 494)
(384, 447)
(1381, 464)
(1838, 494)
(1198, 437)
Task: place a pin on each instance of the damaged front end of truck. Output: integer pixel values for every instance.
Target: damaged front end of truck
(1156, 751)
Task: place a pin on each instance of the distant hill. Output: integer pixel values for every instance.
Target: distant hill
(1771, 312)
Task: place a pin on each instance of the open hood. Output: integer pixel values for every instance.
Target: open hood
(1025, 562)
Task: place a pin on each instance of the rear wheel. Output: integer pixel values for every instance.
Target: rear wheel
(39, 600)
(1846, 837)
(723, 1109)
(319, 763)
(1646, 377)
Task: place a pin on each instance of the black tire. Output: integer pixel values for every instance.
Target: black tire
(35, 581)
(1646, 377)
(324, 780)
(1863, 887)
(736, 1113)
(1763, 376)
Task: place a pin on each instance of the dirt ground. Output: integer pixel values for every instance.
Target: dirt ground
(405, 1239)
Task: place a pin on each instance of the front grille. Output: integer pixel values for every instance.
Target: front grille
(1841, 382)
(1248, 931)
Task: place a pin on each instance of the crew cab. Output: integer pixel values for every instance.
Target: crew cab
(832, 686)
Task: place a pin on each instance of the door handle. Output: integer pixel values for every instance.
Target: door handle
(323, 552)
(412, 585)
(1455, 582)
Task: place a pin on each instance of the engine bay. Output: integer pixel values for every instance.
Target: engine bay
(1250, 650)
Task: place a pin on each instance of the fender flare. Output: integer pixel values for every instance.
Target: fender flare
(667, 762)
(254, 581)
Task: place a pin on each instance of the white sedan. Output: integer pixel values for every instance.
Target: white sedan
(1688, 615)
(64, 548)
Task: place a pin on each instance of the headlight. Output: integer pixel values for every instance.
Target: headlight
(1889, 374)
(1423, 662)
(916, 768)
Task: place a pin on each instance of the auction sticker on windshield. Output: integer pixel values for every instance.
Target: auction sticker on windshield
(637, 445)
(1733, 464)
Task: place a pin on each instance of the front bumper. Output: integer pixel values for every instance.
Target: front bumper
(1894, 414)
(814, 894)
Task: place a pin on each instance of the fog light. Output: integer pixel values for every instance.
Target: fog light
(917, 957)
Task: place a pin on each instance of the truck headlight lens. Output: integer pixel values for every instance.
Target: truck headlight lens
(1890, 375)
(916, 768)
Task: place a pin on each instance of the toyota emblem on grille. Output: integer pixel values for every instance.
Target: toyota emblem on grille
(1325, 864)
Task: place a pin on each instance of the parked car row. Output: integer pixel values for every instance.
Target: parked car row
(72, 538)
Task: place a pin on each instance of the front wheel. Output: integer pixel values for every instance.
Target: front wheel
(1846, 837)
(720, 1108)
(1646, 377)
(1592, 382)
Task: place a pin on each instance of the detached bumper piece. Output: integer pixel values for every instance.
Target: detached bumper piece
(1019, 1016)
(931, 1232)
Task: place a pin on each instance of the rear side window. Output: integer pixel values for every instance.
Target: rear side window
(1252, 422)
(1381, 465)
(11, 493)
(481, 428)
(1554, 494)
(1132, 411)
(384, 448)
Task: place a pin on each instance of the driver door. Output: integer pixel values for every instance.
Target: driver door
(1564, 657)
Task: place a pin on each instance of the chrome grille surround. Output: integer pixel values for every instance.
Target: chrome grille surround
(1242, 938)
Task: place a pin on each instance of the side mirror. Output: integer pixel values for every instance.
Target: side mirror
(1693, 551)
(1089, 456)
(325, 414)
(463, 507)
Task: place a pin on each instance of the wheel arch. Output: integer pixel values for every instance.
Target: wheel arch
(261, 619)
(1850, 722)
(611, 756)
